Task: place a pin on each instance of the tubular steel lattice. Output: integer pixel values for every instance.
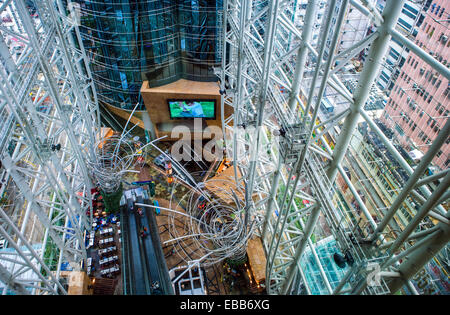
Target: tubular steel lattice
(50, 122)
(280, 97)
(280, 67)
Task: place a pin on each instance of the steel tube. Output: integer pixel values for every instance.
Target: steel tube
(371, 68)
(409, 185)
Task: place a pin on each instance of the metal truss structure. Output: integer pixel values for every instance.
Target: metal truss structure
(274, 75)
(49, 119)
(274, 78)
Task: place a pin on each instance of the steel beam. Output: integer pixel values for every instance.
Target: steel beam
(371, 68)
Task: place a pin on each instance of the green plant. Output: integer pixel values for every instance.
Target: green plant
(112, 201)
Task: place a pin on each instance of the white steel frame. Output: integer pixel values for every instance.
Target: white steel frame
(252, 79)
(52, 73)
(55, 185)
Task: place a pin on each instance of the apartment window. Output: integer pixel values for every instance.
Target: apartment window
(399, 129)
(432, 32)
(438, 84)
(415, 66)
(404, 24)
(447, 90)
(394, 54)
(411, 9)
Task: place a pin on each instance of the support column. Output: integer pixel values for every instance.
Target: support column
(428, 205)
(371, 69)
(420, 169)
(302, 53)
(310, 225)
(421, 256)
(272, 196)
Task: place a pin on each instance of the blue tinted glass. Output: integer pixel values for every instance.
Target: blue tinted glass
(161, 41)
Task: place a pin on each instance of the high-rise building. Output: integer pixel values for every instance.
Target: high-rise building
(411, 18)
(418, 106)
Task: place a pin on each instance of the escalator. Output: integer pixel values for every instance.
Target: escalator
(144, 268)
(135, 276)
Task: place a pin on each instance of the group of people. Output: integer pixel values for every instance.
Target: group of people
(143, 232)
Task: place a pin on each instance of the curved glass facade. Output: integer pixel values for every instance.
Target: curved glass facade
(129, 41)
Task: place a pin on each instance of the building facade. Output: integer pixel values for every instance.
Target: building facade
(419, 102)
(411, 18)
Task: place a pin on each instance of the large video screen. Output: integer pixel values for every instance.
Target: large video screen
(184, 109)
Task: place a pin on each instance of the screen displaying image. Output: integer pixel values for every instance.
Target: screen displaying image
(192, 109)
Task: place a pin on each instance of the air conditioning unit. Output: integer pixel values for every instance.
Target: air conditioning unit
(444, 39)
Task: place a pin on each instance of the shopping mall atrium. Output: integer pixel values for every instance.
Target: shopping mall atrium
(245, 148)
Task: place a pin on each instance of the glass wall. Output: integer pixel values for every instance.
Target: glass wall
(129, 41)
